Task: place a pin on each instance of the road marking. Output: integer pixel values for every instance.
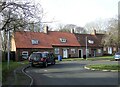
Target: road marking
(45, 70)
(27, 71)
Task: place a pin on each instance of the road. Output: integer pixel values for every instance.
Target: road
(72, 73)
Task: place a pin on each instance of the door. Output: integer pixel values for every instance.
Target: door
(65, 53)
(95, 53)
(80, 53)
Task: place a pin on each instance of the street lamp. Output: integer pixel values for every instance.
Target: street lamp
(86, 46)
(8, 48)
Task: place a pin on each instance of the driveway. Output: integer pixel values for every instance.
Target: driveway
(73, 73)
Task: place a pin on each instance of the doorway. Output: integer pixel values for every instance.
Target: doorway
(65, 53)
(80, 54)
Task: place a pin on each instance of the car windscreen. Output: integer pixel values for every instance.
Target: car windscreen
(35, 55)
(38, 55)
(44, 55)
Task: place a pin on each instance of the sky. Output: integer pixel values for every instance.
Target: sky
(78, 12)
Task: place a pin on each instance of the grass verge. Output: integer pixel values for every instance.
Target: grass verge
(91, 58)
(105, 67)
(12, 66)
(0, 72)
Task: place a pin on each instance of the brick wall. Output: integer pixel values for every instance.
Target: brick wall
(19, 52)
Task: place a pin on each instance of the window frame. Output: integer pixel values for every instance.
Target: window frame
(73, 50)
(34, 41)
(63, 40)
(57, 51)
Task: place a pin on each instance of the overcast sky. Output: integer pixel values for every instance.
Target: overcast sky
(78, 12)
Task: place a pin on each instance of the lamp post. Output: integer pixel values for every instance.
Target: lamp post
(8, 48)
(86, 45)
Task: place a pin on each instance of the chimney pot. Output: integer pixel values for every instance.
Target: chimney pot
(72, 30)
(45, 29)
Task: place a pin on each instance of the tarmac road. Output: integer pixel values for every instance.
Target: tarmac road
(73, 73)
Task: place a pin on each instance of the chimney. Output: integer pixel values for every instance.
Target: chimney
(45, 29)
(94, 32)
(72, 30)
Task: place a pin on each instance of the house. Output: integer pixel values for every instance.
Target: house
(90, 44)
(60, 43)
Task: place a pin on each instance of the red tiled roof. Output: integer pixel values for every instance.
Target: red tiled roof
(23, 39)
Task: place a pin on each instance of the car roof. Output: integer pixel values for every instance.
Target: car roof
(118, 53)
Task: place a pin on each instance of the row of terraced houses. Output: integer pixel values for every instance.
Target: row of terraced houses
(66, 44)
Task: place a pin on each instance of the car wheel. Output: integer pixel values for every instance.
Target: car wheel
(45, 64)
(32, 65)
(115, 59)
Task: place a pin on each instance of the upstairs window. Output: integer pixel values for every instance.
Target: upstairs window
(34, 42)
(91, 41)
(63, 40)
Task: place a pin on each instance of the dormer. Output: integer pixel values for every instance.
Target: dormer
(34, 41)
(91, 41)
(63, 40)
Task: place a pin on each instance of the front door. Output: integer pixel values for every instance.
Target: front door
(79, 53)
(65, 53)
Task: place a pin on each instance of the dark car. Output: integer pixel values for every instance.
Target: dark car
(117, 56)
(41, 58)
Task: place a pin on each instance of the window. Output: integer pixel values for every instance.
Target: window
(73, 51)
(63, 40)
(25, 54)
(114, 49)
(99, 51)
(78, 38)
(56, 50)
(104, 48)
(109, 50)
(90, 41)
(34, 41)
(88, 51)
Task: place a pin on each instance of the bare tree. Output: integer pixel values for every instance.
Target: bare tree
(99, 25)
(111, 37)
(68, 27)
(16, 16)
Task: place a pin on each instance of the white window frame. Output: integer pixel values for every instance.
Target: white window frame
(56, 50)
(114, 49)
(73, 50)
(25, 53)
(91, 41)
(104, 49)
(34, 41)
(63, 40)
(99, 51)
(109, 50)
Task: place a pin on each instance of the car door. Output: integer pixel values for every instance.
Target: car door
(48, 58)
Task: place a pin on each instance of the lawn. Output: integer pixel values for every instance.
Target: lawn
(91, 58)
(105, 67)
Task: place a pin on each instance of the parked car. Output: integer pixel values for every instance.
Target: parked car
(41, 58)
(117, 56)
